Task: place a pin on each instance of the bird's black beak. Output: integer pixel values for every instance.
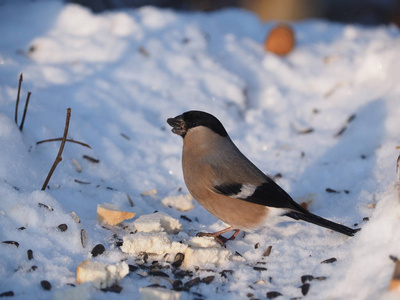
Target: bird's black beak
(178, 125)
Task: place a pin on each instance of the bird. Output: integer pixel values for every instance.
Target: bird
(227, 184)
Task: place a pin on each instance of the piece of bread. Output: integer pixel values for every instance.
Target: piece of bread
(101, 275)
(111, 215)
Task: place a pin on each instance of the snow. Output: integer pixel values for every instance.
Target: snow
(123, 73)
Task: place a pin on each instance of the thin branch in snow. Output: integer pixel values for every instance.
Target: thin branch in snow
(25, 109)
(60, 139)
(21, 78)
(59, 158)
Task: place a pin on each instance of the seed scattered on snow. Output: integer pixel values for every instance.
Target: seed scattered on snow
(33, 268)
(149, 193)
(97, 250)
(75, 217)
(208, 279)
(45, 206)
(7, 294)
(29, 253)
(22, 228)
(178, 260)
(305, 288)
(306, 278)
(332, 191)
(260, 269)
(84, 237)
(91, 159)
(77, 165)
(114, 289)
(267, 252)
(191, 283)
(130, 200)
(329, 260)
(45, 285)
(16, 244)
(273, 294)
(256, 246)
(62, 227)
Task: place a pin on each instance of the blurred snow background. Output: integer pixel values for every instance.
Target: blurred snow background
(124, 72)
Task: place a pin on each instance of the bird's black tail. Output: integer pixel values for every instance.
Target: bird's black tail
(309, 217)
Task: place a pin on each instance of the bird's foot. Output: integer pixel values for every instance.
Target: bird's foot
(218, 235)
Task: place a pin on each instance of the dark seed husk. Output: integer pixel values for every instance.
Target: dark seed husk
(273, 294)
(256, 246)
(208, 279)
(320, 278)
(33, 268)
(305, 288)
(329, 190)
(84, 237)
(177, 285)
(7, 294)
(183, 273)
(45, 285)
(97, 250)
(91, 159)
(306, 278)
(224, 272)
(114, 289)
(22, 228)
(45, 206)
(267, 252)
(16, 244)
(186, 218)
(29, 254)
(259, 269)
(329, 260)
(158, 273)
(132, 268)
(63, 227)
(178, 260)
(191, 283)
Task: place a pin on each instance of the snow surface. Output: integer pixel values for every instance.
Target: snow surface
(123, 73)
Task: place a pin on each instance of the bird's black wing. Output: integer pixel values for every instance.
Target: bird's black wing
(267, 194)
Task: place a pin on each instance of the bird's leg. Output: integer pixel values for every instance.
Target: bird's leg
(218, 235)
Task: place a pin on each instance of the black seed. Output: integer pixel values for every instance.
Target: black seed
(273, 294)
(329, 190)
(268, 251)
(30, 254)
(178, 260)
(320, 278)
(329, 260)
(7, 294)
(249, 295)
(91, 159)
(238, 254)
(145, 257)
(355, 224)
(114, 289)
(186, 218)
(305, 288)
(346, 191)
(21, 228)
(260, 269)
(306, 278)
(45, 206)
(63, 227)
(84, 237)
(16, 244)
(183, 273)
(97, 250)
(208, 279)
(33, 268)
(224, 272)
(256, 246)
(158, 273)
(45, 285)
(191, 283)
(177, 285)
(132, 268)
(365, 219)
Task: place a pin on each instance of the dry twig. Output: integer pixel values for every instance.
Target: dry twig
(59, 158)
(21, 78)
(60, 139)
(25, 109)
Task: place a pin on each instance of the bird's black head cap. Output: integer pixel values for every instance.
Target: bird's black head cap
(194, 118)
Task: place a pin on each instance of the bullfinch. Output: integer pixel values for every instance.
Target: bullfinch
(228, 184)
